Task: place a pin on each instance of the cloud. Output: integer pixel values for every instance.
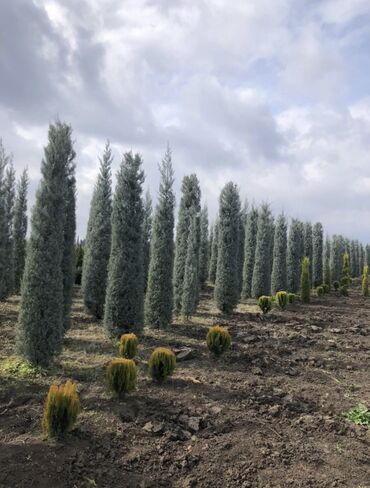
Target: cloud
(272, 95)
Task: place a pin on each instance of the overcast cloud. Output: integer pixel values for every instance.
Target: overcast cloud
(271, 94)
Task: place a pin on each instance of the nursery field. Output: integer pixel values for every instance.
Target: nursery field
(267, 414)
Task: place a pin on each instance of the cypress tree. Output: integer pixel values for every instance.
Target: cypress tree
(337, 251)
(124, 304)
(261, 280)
(214, 255)
(241, 246)
(305, 280)
(249, 252)
(189, 206)
(327, 268)
(308, 244)
(365, 281)
(147, 235)
(279, 267)
(191, 276)
(295, 255)
(20, 230)
(40, 323)
(98, 239)
(346, 273)
(367, 254)
(79, 259)
(226, 291)
(317, 254)
(4, 160)
(210, 243)
(203, 254)
(159, 295)
(9, 188)
(69, 237)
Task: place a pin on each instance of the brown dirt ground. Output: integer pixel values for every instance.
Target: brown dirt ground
(268, 414)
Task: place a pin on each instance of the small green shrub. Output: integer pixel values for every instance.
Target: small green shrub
(336, 285)
(343, 290)
(291, 297)
(61, 408)
(121, 376)
(345, 281)
(218, 340)
(326, 287)
(161, 364)
(281, 298)
(320, 291)
(128, 345)
(360, 415)
(305, 281)
(365, 281)
(265, 303)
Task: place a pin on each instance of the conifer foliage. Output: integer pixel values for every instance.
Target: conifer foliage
(203, 256)
(261, 280)
(159, 295)
(20, 230)
(98, 239)
(40, 325)
(147, 234)
(214, 255)
(305, 280)
(249, 251)
(317, 254)
(227, 284)
(279, 272)
(295, 254)
(124, 306)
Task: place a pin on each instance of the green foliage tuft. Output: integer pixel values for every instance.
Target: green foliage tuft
(359, 415)
(128, 345)
(326, 288)
(121, 376)
(161, 364)
(292, 297)
(336, 285)
(365, 281)
(218, 340)
(61, 409)
(305, 281)
(320, 290)
(17, 368)
(265, 303)
(281, 298)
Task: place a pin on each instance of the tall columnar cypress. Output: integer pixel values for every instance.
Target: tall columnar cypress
(367, 254)
(159, 294)
(4, 160)
(124, 304)
(346, 272)
(249, 251)
(147, 235)
(9, 215)
(210, 243)
(98, 239)
(279, 267)
(295, 255)
(308, 244)
(40, 325)
(305, 280)
(241, 246)
(191, 275)
(337, 250)
(362, 258)
(214, 255)
(203, 254)
(20, 230)
(226, 288)
(189, 206)
(69, 238)
(317, 254)
(327, 267)
(261, 280)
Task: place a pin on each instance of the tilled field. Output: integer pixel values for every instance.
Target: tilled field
(268, 414)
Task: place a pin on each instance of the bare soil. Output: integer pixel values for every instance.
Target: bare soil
(267, 414)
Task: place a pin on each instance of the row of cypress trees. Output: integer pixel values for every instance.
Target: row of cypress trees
(134, 271)
(13, 225)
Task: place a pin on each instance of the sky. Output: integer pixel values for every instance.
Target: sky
(273, 95)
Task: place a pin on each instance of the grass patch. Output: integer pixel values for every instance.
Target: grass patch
(17, 368)
(359, 415)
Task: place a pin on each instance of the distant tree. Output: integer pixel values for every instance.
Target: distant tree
(261, 280)
(203, 254)
(159, 295)
(124, 306)
(346, 272)
(308, 243)
(20, 230)
(191, 276)
(79, 259)
(214, 255)
(249, 251)
(241, 246)
(9, 188)
(367, 254)
(305, 280)
(337, 250)
(40, 325)
(210, 243)
(295, 255)
(365, 281)
(147, 235)
(226, 289)
(189, 206)
(279, 267)
(317, 254)
(361, 258)
(4, 161)
(98, 239)
(327, 267)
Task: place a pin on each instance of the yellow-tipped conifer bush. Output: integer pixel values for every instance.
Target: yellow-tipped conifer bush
(365, 281)
(291, 297)
(61, 409)
(265, 303)
(162, 363)
(128, 345)
(305, 281)
(320, 290)
(121, 376)
(218, 340)
(281, 298)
